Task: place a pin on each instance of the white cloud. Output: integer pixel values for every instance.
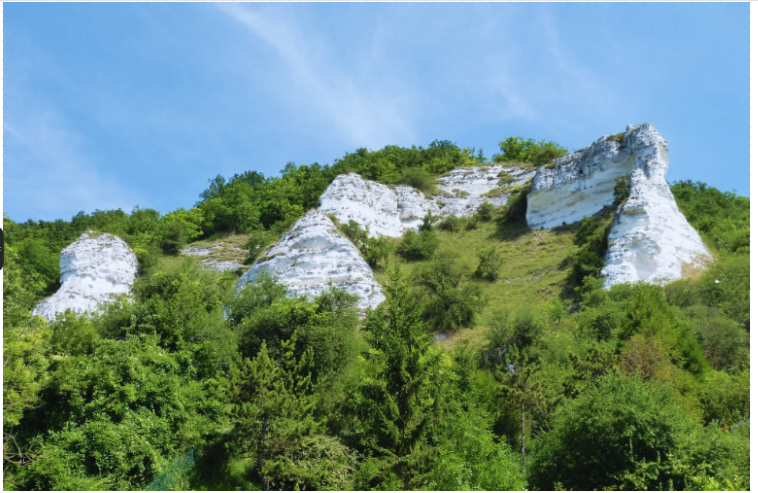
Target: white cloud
(362, 113)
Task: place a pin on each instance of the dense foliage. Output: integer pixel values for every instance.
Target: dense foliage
(528, 151)
(189, 385)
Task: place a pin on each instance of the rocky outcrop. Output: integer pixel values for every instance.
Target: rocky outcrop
(95, 268)
(389, 211)
(370, 204)
(217, 256)
(650, 240)
(312, 256)
(581, 184)
(468, 188)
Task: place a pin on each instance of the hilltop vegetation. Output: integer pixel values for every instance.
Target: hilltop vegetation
(539, 379)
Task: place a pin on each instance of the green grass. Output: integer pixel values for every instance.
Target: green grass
(534, 271)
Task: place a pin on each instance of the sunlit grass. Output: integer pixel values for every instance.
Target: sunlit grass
(535, 267)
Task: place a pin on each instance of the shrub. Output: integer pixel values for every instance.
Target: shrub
(418, 178)
(418, 246)
(518, 149)
(353, 231)
(489, 264)
(609, 436)
(472, 222)
(485, 211)
(451, 223)
(258, 242)
(514, 210)
(375, 250)
(450, 302)
(428, 221)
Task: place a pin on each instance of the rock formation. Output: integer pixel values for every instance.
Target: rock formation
(650, 239)
(389, 211)
(217, 256)
(350, 197)
(95, 268)
(311, 256)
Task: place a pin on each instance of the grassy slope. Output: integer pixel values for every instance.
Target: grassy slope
(228, 251)
(533, 273)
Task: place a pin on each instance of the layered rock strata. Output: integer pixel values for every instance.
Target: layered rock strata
(311, 257)
(650, 240)
(94, 269)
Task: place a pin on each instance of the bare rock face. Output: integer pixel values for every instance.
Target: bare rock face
(350, 197)
(650, 240)
(468, 188)
(94, 269)
(389, 211)
(581, 184)
(312, 256)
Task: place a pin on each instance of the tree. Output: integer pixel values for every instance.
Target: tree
(272, 412)
(398, 402)
(626, 433)
(516, 365)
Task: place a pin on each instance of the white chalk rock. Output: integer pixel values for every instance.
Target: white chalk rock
(468, 188)
(580, 184)
(311, 256)
(388, 211)
(350, 197)
(413, 206)
(94, 269)
(650, 240)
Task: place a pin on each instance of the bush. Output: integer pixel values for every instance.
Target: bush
(418, 246)
(428, 221)
(375, 250)
(450, 303)
(451, 223)
(518, 149)
(485, 211)
(489, 264)
(419, 179)
(258, 242)
(514, 210)
(472, 222)
(353, 231)
(609, 436)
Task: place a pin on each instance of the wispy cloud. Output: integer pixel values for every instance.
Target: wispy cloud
(51, 167)
(360, 112)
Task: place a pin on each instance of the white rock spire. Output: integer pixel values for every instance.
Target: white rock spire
(94, 268)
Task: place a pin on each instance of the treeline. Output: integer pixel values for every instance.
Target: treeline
(246, 202)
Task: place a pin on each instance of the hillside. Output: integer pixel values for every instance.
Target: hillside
(498, 357)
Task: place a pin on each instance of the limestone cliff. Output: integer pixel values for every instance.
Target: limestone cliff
(650, 239)
(95, 268)
(312, 256)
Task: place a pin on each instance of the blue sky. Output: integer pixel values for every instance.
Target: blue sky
(110, 105)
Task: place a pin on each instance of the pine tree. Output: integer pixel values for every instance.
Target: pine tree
(400, 401)
(272, 411)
